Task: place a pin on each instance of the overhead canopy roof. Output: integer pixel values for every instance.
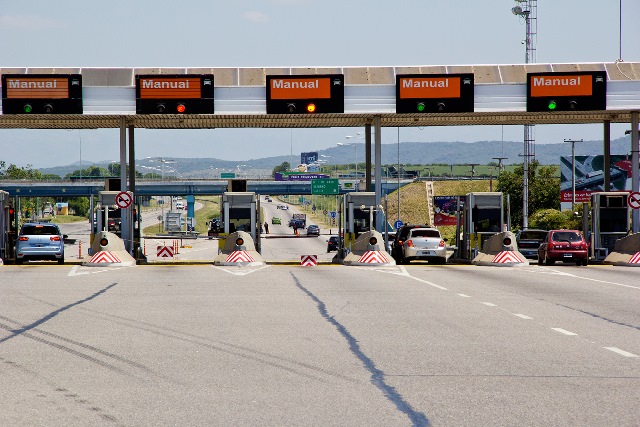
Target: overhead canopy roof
(500, 98)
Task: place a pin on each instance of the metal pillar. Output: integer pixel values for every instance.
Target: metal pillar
(378, 168)
(132, 188)
(607, 156)
(367, 149)
(125, 225)
(635, 215)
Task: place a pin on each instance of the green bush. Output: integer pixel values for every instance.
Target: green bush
(553, 219)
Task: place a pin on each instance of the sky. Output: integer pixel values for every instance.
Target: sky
(288, 33)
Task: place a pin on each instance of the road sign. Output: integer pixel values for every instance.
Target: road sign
(567, 91)
(333, 214)
(42, 94)
(174, 94)
(228, 175)
(325, 211)
(324, 186)
(634, 200)
(434, 93)
(398, 224)
(123, 200)
(164, 252)
(305, 94)
(308, 260)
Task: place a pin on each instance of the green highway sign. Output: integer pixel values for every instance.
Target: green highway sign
(227, 175)
(324, 186)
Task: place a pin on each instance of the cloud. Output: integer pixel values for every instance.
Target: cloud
(255, 16)
(28, 22)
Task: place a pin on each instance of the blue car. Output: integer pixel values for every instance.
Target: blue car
(40, 241)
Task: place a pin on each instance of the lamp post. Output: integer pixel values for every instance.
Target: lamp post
(346, 144)
(573, 171)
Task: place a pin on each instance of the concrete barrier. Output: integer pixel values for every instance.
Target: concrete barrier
(500, 250)
(368, 250)
(626, 252)
(239, 249)
(108, 251)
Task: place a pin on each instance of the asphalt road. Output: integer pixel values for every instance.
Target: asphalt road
(328, 345)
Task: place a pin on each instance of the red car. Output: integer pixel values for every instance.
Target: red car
(565, 246)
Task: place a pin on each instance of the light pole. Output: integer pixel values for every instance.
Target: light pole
(573, 170)
(346, 144)
(528, 11)
(162, 161)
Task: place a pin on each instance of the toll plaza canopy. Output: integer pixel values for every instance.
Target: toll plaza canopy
(500, 98)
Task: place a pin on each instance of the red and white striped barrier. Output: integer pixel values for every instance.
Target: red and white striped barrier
(308, 260)
(373, 257)
(506, 257)
(164, 252)
(635, 259)
(104, 257)
(239, 256)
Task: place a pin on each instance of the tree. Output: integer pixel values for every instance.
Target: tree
(15, 172)
(285, 166)
(544, 189)
(553, 219)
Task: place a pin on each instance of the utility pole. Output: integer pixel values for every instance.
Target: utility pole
(573, 171)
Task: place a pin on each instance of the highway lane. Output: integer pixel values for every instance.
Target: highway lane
(332, 345)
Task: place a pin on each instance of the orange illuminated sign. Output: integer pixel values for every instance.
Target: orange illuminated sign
(170, 88)
(429, 87)
(561, 85)
(36, 87)
(301, 88)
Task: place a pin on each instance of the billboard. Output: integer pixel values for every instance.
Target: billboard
(308, 158)
(589, 176)
(445, 208)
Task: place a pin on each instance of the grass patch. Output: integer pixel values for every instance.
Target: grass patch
(66, 219)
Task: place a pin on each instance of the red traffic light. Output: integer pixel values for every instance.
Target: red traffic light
(181, 108)
(311, 108)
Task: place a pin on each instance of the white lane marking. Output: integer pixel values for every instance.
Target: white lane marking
(93, 270)
(464, 296)
(522, 316)
(551, 271)
(622, 352)
(239, 272)
(490, 304)
(563, 331)
(403, 272)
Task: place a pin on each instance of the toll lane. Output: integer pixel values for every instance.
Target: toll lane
(306, 345)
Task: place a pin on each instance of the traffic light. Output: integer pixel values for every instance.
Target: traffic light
(181, 108)
(552, 105)
(420, 107)
(291, 108)
(311, 107)
(440, 106)
(27, 108)
(12, 218)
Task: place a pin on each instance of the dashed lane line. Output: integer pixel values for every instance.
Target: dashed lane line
(564, 331)
(621, 352)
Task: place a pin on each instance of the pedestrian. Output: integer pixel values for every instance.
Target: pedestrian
(266, 227)
(295, 229)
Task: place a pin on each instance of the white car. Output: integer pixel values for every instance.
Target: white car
(424, 243)
(179, 205)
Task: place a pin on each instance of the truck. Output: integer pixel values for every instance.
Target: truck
(300, 217)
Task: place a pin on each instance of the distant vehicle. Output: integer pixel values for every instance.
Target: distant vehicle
(400, 237)
(529, 241)
(313, 230)
(179, 205)
(284, 207)
(424, 243)
(565, 246)
(298, 223)
(40, 241)
(275, 220)
(332, 244)
(214, 227)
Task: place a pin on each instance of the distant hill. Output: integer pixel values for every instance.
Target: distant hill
(481, 152)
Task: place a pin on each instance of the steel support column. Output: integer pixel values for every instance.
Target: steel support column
(607, 156)
(378, 167)
(367, 149)
(125, 226)
(635, 215)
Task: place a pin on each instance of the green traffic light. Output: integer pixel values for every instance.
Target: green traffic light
(28, 108)
(552, 105)
(420, 107)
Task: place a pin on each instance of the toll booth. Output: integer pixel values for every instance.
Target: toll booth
(483, 216)
(359, 213)
(610, 221)
(107, 209)
(240, 212)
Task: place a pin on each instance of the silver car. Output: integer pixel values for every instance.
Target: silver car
(40, 241)
(424, 243)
